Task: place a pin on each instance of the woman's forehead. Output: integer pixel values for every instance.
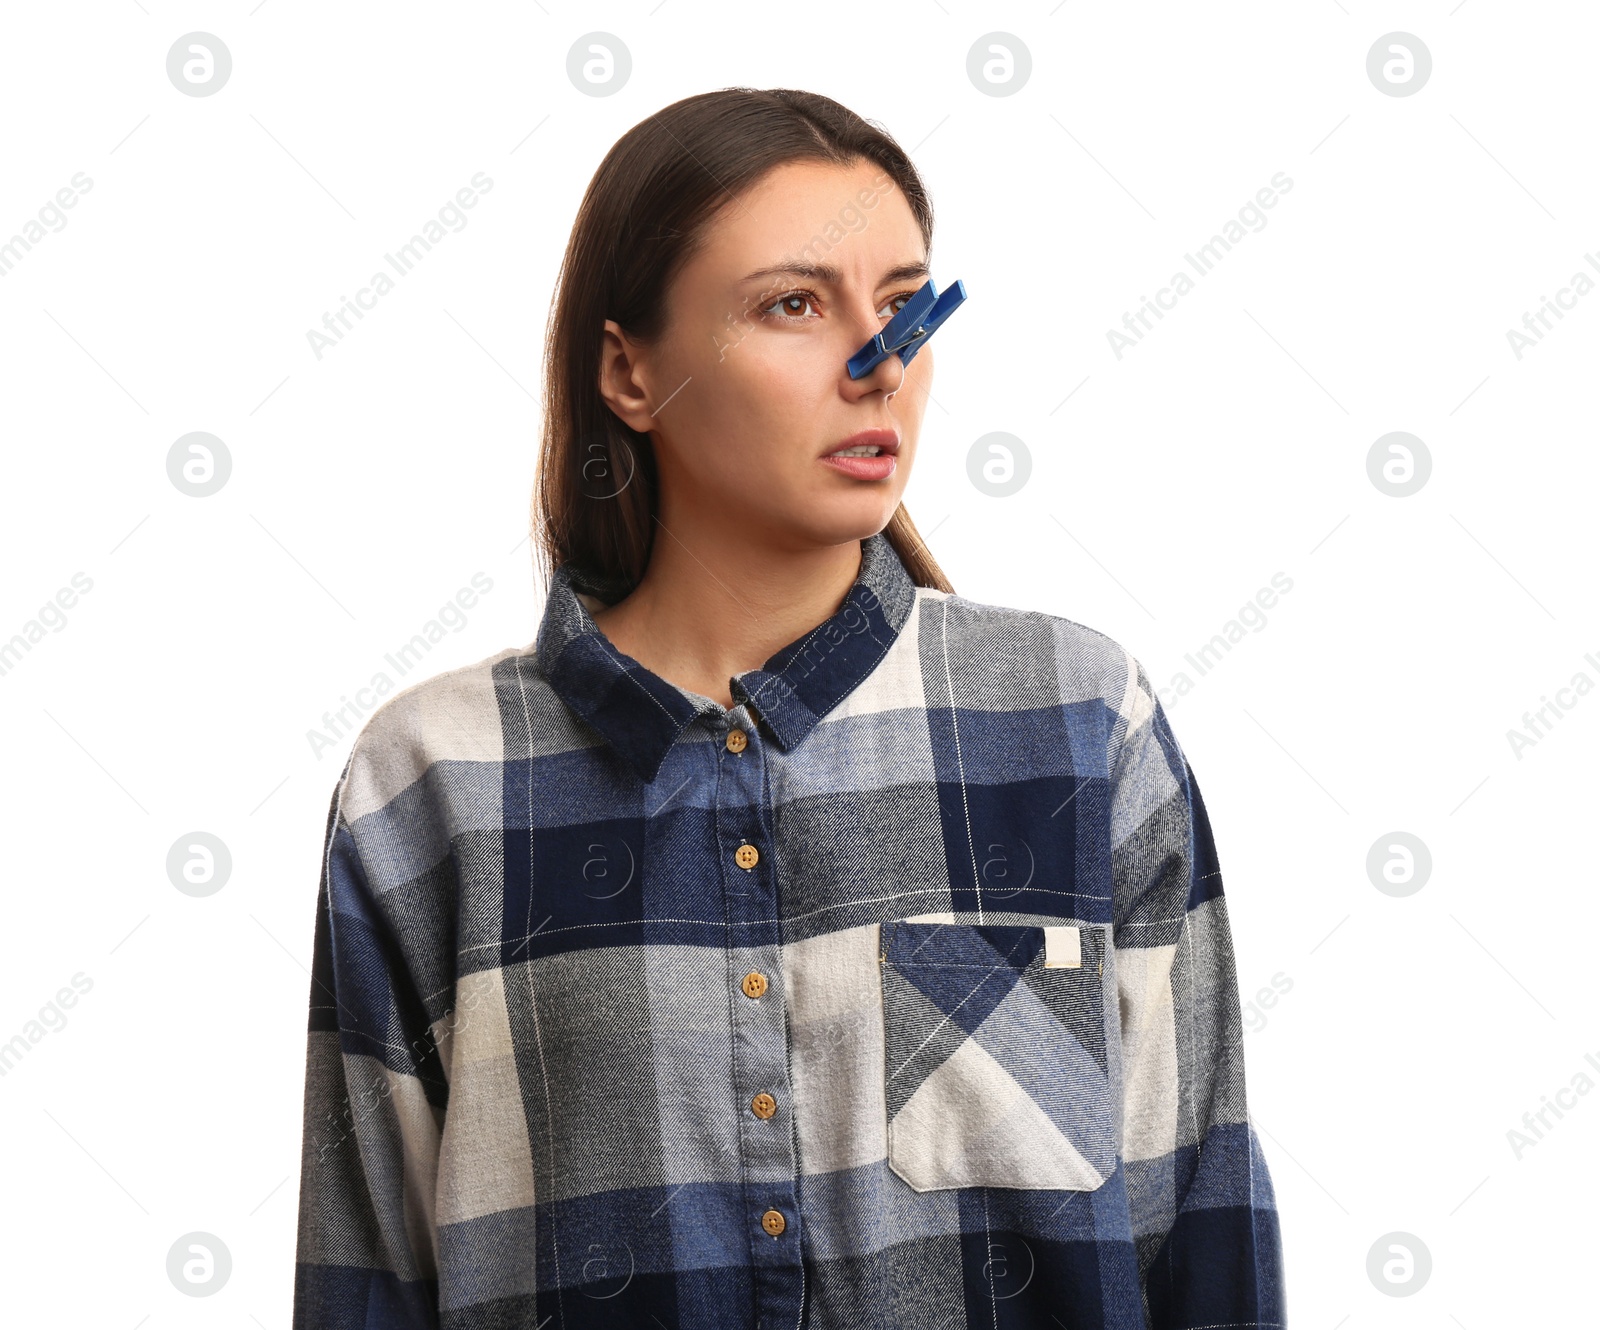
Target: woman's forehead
(853, 220)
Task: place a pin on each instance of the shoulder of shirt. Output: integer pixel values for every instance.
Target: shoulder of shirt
(1091, 662)
(450, 716)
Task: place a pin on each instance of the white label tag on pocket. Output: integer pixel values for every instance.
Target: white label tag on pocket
(1062, 946)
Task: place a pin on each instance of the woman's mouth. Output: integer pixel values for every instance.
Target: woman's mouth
(869, 455)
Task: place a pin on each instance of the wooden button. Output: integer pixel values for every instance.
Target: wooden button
(747, 856)
(764, 1105)
(755, 984)
(774, 1222)
(736, 741)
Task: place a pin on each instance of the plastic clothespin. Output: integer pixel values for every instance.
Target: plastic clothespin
(905, 333)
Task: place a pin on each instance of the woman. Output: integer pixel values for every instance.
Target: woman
(780, 939)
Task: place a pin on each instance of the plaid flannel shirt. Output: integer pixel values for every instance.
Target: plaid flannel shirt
(900, 994)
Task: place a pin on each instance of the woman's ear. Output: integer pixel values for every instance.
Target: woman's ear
(624, 376)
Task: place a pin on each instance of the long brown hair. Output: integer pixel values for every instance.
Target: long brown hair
(641, 218)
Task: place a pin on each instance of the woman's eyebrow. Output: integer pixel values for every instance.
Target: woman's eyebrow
(826, 272)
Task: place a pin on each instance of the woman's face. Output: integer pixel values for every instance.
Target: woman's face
(747, 390)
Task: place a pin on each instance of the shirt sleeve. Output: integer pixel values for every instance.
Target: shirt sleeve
(375, 1091)
(1205, 1219)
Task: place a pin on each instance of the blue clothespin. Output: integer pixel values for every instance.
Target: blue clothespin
(905, 333)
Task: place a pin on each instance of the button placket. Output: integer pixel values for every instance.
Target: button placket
(760, 1037)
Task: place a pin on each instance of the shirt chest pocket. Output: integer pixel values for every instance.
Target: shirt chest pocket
(995, 1057)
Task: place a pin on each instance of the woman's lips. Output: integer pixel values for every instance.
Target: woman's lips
(887, 441)
(863, 468)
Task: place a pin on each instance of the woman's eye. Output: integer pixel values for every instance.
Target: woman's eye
(794, 304)
(790, 306)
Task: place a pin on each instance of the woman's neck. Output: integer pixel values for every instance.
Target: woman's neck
(698, 617)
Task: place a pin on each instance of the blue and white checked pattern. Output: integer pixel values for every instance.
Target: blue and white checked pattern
(1000, 1033)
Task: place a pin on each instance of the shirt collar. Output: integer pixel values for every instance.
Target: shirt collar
(641, 714)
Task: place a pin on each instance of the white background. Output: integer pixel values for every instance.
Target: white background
(1229, 445)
